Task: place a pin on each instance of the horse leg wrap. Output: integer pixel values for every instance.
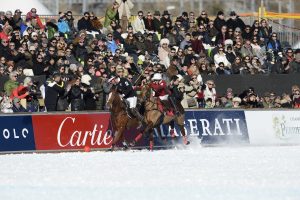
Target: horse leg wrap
(138, 137)
(151, 145)
(172, 133)
(185, 140)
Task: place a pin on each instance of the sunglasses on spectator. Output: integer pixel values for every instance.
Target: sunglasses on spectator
(203, 13)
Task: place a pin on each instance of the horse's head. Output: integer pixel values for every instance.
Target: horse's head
(111, 98)
(114, 101)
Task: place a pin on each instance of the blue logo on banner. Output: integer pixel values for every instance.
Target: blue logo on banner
(215, 127)
(16, 133)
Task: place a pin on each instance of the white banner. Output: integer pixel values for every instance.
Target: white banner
(273, 127)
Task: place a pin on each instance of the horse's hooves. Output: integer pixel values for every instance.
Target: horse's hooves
(132, 144)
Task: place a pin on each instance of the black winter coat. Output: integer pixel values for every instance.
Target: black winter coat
(84, 24)
(75, 97)
(51, 96)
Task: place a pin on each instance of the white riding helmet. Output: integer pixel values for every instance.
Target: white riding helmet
(157, 77)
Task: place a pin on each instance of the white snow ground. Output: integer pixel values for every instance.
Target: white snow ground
(238, 173)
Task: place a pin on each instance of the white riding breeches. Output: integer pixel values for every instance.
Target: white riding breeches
(132, 102)
(165, 97)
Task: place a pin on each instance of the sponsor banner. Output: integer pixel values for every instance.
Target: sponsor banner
(211, 127)
(217, 127)
(273, 127)
(16, 133)
(72, 131)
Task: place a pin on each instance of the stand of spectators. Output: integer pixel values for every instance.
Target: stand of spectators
(77, 61)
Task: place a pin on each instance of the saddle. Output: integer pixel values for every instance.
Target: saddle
(165, 106)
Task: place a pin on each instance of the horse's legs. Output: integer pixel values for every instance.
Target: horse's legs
(151, 139)
(180, 121)
(182, 130)
(118, 135)
(172, 132)
(140, 135)
(164, 139)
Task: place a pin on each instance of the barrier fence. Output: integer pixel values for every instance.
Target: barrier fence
(76, 131)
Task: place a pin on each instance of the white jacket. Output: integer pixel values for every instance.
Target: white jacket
(210, 94)
(138, 25)
(127, 6)
(221, 58)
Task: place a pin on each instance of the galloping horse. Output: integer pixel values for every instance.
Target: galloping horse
(154, 117)
(119, 117)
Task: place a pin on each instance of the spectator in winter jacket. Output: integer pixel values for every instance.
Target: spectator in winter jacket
(124, 11)
(17, 107)
(17, 18)
(53, 89)
(75, 95)
(219, 21)
(84, 23)
(11, 84)
(138, 24)
(70, 20)
(35, 19)
(111, 14)
(234, 21)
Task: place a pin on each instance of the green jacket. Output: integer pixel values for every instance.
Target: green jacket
(110, 15)
(9, 86)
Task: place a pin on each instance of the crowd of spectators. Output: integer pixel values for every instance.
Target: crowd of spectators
(77, 59)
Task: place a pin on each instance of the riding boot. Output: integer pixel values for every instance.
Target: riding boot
(137, 114)
(174, 105)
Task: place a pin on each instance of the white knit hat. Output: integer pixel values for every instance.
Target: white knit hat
(86, 79)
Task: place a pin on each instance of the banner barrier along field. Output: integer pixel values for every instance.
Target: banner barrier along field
(273, 127)
(75, 131)
(72, 131)
(16, 133)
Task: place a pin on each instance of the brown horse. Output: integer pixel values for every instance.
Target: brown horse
(154, 117)
(119, 117)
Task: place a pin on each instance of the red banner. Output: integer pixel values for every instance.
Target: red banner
(72, 131)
